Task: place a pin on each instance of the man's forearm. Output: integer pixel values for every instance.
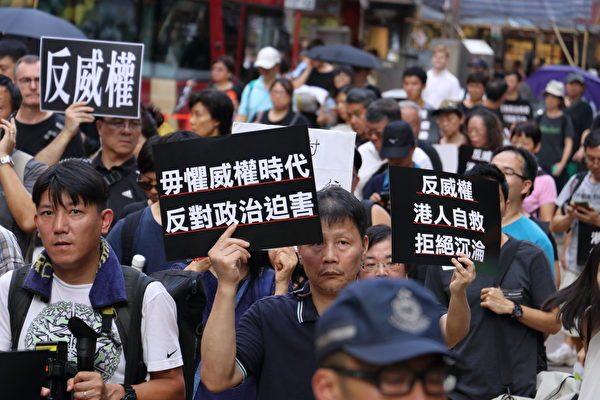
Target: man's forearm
(160, 389)
(218, 342)
(52, 153)
(18, 199)
(560, 223)
(458, 319)
(542, 321)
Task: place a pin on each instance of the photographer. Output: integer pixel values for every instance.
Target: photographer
(78, 274)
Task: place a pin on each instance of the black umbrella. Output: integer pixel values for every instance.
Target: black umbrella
(344, 54)
(32, 23)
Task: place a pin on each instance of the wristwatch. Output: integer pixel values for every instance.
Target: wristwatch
(129, 393)
(517, 311)
(7, 160)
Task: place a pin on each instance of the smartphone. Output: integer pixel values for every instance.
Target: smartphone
(10, 117)
(583, 204)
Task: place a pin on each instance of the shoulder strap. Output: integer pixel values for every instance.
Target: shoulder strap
(129, 322)
(294, 119)
(130, 224)
(20, 159)
(19, 301)
(507, 256)
(579, 178)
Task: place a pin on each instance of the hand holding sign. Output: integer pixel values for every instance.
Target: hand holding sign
(75, 115)
(464, 274)
(227, 257)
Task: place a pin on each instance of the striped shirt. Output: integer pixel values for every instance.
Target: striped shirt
(10, 253)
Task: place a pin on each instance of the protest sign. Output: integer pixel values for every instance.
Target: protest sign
(468, 156)
(436, 215)
(105, 75)
(262, 181)
(332, 153)
(449, 156)
(587, 237)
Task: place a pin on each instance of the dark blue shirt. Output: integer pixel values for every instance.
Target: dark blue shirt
(275, 344)
(147, 241)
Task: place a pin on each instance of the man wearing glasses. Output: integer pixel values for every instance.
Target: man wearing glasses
(520, 169)
(381, 340)
(48, 136)
(116, 160)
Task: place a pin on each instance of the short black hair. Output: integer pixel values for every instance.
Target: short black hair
(77, 179)
(477, 77)
(416, 71)
(227, 61)
(357, 160)
(218, 104)
(592, 139)
(530, 165)
(528, 129)
(378, 234)
(495, 89)
(285, 83)
(15, 95)
(360, 96)
(337, 205)
(13, 49)
(491, 172)
(515, 73)
(383, 108)
(343, 69)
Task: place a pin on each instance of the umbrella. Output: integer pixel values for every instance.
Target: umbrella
(344, 54)
(538, 80)
(33, 23)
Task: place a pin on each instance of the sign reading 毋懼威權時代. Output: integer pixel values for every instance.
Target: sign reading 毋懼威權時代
(262, 181)
(436, 215)
(105, 75)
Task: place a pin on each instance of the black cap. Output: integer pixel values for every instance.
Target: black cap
(398, 140)
(382, 322)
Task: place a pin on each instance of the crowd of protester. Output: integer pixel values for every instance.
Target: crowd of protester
(79, 200)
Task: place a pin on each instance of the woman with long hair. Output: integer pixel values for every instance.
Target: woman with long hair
(580, 311)
(484, 130)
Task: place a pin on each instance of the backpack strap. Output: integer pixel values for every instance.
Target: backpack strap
(19, 301)
(129, 322)
(130, 224)
(294, 119)
(579, 178)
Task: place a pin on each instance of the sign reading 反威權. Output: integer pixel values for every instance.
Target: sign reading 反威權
(262, 181)
(436, 215)
(105, 75)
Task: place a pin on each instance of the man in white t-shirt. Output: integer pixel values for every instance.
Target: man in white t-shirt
(441, 84)
(78, 274)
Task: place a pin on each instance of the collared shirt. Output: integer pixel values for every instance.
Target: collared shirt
(255, 98)
(10, 254)
(275, 343)
(122, 184)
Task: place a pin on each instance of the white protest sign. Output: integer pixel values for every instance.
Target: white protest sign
(449, 156)
(332, 153)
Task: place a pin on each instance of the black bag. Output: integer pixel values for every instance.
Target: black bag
(184, 286)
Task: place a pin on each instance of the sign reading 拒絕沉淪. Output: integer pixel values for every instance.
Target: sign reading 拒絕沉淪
(105, 75)
(261, 181)
(436, 215)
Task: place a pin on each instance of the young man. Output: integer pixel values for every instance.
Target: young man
(514, 109)
(368, 347)
(10, 52)
(46, 135)
(357, 102)
(507, 324)
(441, 83)
(275, 338)
(475, 89)
(414, 80)
(116, 160)
(520, 169)
(578, 109)
(78, 274)
(494, 97)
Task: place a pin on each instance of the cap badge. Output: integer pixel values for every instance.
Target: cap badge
(407, 314)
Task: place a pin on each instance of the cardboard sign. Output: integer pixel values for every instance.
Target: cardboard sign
(468, 156)
(436, 215)
(588, 236)
(449, 156)
(105, 75)
(332, 153)
(262, 181)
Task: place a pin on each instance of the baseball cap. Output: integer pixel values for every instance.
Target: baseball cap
(267, 58)
(575, 77)
(478, 62)
(382, 322)
(555, 88)
(398, 140)
(448, 106)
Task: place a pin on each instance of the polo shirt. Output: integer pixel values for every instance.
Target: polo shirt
(275, 344)
(255, 98)
(525, 229)
(122, 183)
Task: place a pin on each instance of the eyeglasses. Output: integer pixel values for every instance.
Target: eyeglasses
(371, 266)
(145, 185)
(400, 381)
(121, 124)
(27, 81)
(511, 172)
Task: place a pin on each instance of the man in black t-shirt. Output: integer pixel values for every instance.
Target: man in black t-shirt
(515, 109)
(500, 352)
(47, 136)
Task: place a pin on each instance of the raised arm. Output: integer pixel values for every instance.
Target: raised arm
(456, 323)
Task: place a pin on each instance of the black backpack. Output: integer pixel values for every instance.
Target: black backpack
(184, 286)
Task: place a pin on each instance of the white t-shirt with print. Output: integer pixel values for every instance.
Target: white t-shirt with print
(47, 322)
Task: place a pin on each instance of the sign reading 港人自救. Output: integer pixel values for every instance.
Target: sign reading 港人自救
(436, 215)
(105, 75)
(262, 181)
